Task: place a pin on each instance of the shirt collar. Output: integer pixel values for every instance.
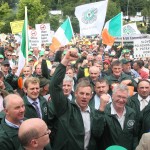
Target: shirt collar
(86, 110)
(12, 125)
(146, 99)
(113, 111)
(31, 101)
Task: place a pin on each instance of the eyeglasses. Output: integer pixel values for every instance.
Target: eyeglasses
(47, 132)
(9, 55)
(6, 65)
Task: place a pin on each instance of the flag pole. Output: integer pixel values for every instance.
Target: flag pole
(74, 39)
(122, 29)
(26, 29)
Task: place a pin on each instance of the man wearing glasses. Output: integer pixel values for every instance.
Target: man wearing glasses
(34, 135)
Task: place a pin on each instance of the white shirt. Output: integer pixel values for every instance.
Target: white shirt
(146, 100)
(120, 119)
(87, 126)
(38, 104)
(1, 103)
(97, 101)
(70, 97)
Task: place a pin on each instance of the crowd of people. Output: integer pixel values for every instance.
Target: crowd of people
(82, 96)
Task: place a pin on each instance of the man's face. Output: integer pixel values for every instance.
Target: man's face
(15, 110)
(70, 73)
(94, 73)
(5, 68)
(135, 66)
(9, 56)
(43, 139)
(120, 99)
(117, 70)
(83, 96)
(127, 56)
(67, 87)
(27, 71)
(38, 70)
(1, 60)
(101, 88)
(127, 67)
(143, 89)
(33, 90)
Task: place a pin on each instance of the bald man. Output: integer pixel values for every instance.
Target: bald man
(34, 135)
(14, 114)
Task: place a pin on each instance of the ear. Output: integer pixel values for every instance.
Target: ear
(25, 90)
(34, 143)
(6, 111)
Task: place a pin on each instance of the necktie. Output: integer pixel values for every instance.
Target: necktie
(37, 109)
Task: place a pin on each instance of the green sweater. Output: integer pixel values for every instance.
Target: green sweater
(70, 128)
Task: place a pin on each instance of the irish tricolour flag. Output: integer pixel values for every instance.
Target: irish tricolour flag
(62, 36)
(23, 53)
(113, 28)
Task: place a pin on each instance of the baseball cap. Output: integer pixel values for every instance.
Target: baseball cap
(125, 51)
(5, 62)
(125, 61)
(106, 61)
(1, 56)
(116, 147)
(43, 82)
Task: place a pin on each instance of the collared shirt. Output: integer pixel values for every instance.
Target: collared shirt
(87, 125)
(38, 104)
(1, 103)
(12, 125)
(70, 97)
(120, 119)
(97, 101)
(141, 101)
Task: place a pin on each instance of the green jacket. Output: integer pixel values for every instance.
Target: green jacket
(112, 79)
(8, 87)
(48, 147)
(8, 137)
(145, 122)
(70, 128)
(128, 137)
(31, 112)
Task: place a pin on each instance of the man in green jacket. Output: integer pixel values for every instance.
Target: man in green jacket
(14, 114)
(36, 106)
(118, 77)
(75, 120)
(120, 125)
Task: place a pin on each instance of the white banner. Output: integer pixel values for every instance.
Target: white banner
(130, 29)
(142, 48)
(44, 31)
(91, 17)
(34, 39)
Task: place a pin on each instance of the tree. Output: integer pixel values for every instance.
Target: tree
(6, 15)
(36, 11)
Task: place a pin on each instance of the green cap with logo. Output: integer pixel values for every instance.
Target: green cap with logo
(116, 147)
(124, 51)
(1, 56)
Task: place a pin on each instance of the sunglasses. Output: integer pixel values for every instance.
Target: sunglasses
(9, 55)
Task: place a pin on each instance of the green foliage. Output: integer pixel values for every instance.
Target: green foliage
(148, 28)
(36, 11)
(112, 10)
(6, 15)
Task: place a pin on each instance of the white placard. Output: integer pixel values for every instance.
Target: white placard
(34, 39)
(142, 48)
(44, 31)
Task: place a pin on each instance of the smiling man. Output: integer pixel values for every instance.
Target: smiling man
(120, 119)
(14, 114)
(118, 76)
(36, 106)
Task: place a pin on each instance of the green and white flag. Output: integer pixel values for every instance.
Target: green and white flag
(23, 54)
(91, 17)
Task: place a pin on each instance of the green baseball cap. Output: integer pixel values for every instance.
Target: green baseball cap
(125, 51)
(1, 56)
(125, 61)
(41, 53)
(116, 147)
(30, 59)
(30, 53)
